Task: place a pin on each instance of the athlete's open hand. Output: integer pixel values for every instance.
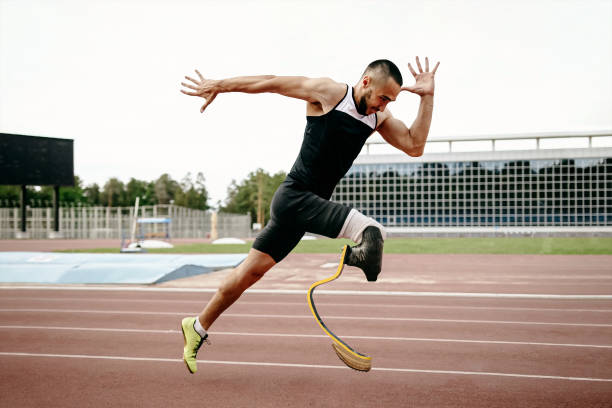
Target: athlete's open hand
(204, 88)
(424, 84)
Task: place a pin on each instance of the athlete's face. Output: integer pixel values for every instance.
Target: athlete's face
(377, 93)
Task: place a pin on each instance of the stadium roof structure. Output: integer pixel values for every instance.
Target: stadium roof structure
(491, 152)
(555, 183)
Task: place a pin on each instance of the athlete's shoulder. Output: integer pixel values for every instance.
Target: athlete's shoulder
(327, 83)
(330, 91)
(381, 117)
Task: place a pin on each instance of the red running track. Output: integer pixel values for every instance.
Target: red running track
(122, 348)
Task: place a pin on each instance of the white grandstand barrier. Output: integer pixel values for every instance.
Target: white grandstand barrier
(584, 139)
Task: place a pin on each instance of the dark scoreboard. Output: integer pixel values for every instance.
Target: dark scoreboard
(36, 161)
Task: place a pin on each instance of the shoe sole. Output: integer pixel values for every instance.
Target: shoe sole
(349, 356)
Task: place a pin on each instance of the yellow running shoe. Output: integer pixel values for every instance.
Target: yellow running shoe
(193, 342)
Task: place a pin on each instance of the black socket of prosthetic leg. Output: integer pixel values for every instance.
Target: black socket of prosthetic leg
(368, 254)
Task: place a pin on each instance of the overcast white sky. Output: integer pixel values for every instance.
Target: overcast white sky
(107, 74)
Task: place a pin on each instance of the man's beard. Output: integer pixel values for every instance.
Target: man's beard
(362, 106)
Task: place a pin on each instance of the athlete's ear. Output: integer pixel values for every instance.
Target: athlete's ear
(366, 81)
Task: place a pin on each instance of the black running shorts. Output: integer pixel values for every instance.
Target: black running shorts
(295, 211)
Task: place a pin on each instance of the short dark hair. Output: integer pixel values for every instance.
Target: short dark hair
(387, 68)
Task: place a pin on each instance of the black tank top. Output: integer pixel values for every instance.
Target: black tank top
(331, 144)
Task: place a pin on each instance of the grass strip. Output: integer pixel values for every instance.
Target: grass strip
(519, 245)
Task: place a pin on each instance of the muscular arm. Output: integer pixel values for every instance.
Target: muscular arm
(308, 89)
(322, 91)
(411, 140)
(395, 132)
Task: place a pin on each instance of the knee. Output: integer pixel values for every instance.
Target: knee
(251, 272)
(240, 281)
(252, 269)
(254, 275)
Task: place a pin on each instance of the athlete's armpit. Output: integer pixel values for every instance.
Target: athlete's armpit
(397, 134)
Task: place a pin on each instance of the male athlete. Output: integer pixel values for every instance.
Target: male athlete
(339, 119)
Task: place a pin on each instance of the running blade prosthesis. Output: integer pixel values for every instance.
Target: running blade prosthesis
(350, 357)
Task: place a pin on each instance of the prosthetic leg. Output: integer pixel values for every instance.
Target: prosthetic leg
(346, 353)
(368, 254)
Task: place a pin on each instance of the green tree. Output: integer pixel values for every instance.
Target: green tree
(113, 193)
(202, 193)
(42, 196)
(92, 194)
(139, 188)
(39, 196)
(245, 197)
(192, 195)
(188, 193)
(165, 189)
(10, 196)
(71, 195)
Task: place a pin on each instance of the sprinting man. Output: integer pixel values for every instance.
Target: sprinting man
(339, 119)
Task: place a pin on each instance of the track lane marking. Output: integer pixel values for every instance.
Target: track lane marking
(294, 365)
(321, 292)
(215, 333)
(279, 316)
(248, 302)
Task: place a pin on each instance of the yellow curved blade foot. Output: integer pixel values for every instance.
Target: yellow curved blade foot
(352, 360)
(350, 357)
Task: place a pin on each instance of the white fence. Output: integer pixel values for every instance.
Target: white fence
(115, 222)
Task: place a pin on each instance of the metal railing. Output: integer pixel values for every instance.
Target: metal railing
(588, 136)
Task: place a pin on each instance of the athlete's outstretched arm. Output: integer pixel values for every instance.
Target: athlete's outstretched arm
(395, 132)
(322, 91)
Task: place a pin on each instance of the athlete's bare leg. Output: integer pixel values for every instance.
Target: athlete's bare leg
(255, 265)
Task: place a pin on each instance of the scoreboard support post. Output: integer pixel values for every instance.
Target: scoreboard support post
(22, 233)
(56, 208)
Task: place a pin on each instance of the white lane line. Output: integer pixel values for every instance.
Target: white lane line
(248, 302)
(215, 333)
(280, 316)
(293, 365)
(91, 329)
(319, 292)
